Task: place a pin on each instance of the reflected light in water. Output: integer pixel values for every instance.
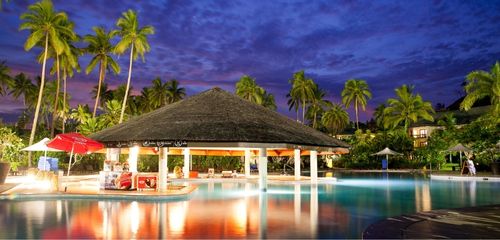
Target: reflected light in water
(240, 216)
(134, 217)
(177, 217)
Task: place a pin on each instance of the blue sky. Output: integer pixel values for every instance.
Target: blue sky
(203, 44)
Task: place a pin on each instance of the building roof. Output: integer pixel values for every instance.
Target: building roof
(215, 118)
(461, 117)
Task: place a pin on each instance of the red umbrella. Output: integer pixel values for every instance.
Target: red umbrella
(74, 143)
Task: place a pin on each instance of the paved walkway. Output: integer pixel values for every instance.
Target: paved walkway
(464, 223)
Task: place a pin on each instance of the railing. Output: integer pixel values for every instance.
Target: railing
(420, 136)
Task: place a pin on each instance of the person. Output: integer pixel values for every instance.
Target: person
(470, 165)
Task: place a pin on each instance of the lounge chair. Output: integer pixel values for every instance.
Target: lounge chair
(227, 174)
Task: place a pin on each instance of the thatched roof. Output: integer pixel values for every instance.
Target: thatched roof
(215, 118)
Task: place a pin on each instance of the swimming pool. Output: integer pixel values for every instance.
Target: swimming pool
(239, 210)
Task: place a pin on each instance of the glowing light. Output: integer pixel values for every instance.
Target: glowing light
(240, 214)
(177, 217)
(134, 217)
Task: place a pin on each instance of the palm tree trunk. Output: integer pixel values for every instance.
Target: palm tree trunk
(64, 102)
(356, 110)
(297, 112)
(303, 112)
(128, 84)
(98, 88)
(39, 102)
(54, 112)
(314, 120)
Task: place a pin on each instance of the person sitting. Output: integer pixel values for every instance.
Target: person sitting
(470, 166)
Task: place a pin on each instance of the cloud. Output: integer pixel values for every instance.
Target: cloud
(203, 44)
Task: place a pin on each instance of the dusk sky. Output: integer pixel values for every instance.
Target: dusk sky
(204, 44)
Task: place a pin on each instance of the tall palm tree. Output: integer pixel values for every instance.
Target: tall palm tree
(248, 89)
(99, 45)
(482, 84)
(5, 79)
(23, 86)
(69, 63)
(302, 90)
(356, 90)
(407, 108)
(45, 26)
(175, 93)
(335, 119)
(135, 38)
(157, 93)
(66, 38)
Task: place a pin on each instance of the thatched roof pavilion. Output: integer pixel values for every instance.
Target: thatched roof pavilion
(218, 122)
(215, 118)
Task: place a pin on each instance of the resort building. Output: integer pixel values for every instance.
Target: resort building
(421, 131)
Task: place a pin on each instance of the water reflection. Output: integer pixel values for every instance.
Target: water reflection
(240, 210)
(423, 197)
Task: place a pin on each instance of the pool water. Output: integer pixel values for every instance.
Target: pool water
(341, 209)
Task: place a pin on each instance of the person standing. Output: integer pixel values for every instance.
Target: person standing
(470, 165)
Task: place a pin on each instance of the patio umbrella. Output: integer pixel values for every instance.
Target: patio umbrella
(386, 151)
(41, 146)
(74, 143)
(459, 148)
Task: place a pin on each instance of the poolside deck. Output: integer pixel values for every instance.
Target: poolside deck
(83, 187)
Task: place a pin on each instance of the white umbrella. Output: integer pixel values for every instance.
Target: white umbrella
(386, 151)
(41, 146)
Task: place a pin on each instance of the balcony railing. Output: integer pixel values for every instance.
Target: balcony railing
(420, 136)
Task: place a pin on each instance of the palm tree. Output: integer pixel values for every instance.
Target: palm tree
(379, 115)
(100, 46)
(302, 90)
(119, 93)
(112, 112)
(335, 119)
(293, 102)
(69, 63)
(268, 100)
(58, 64)
(356, 90)
(23, 86)
(135, 38)
(157, 93)
(407, 108)
(483, 84)
(316, 106)
(5, 79)
(248, 89)
(45, 25)
(105, 94)
(175, 93)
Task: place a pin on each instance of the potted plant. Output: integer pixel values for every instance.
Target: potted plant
(10, 152)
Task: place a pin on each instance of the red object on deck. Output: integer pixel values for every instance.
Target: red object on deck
(75, 142)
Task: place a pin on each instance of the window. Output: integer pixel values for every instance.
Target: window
(423, 133)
